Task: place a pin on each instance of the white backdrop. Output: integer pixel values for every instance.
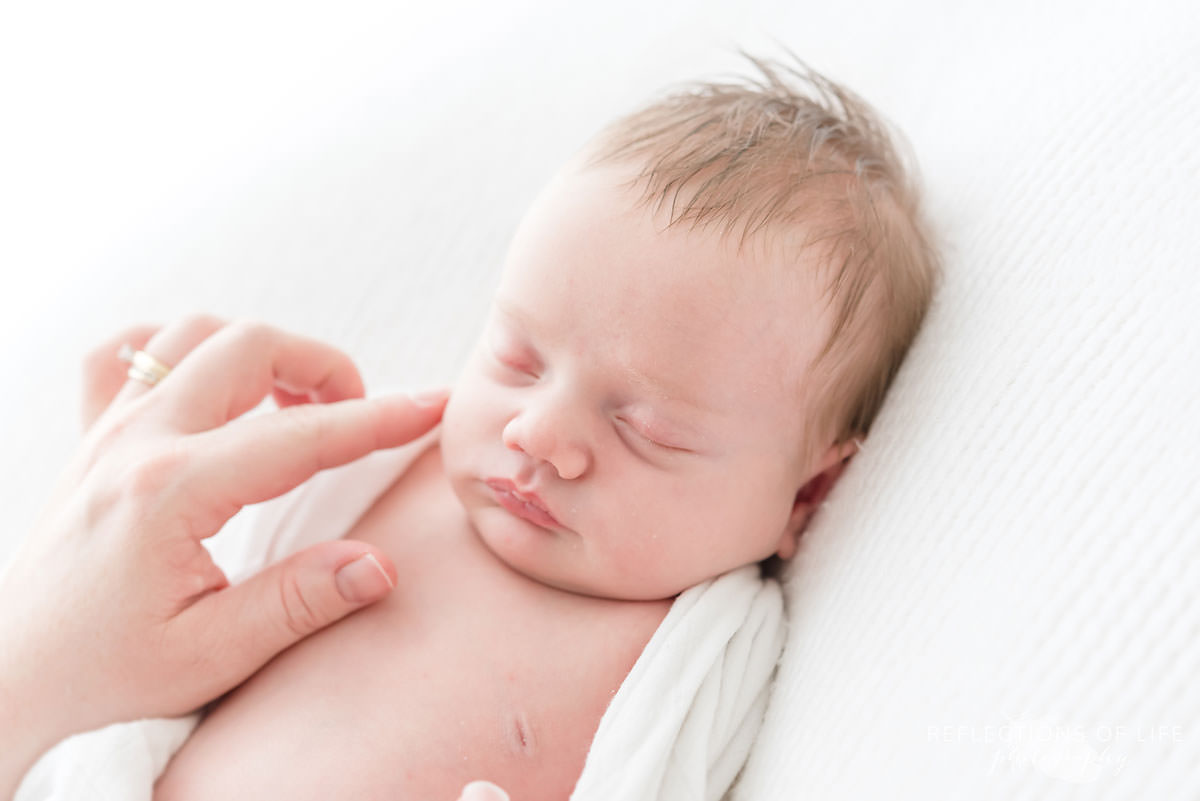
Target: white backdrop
(1018, 542)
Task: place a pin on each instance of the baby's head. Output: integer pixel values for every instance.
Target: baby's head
(697, 319)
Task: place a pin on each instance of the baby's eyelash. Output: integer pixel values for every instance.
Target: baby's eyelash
(509, 365)
(655, 443)
(522, 370)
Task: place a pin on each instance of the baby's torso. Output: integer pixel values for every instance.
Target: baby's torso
(467, 670)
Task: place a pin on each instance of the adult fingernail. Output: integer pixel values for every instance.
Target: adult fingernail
(483, 791)
(431, 397)
(363, 580)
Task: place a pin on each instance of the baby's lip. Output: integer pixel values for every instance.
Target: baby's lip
(531, 498)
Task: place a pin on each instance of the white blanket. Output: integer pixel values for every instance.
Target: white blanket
(1020, 539)
(680, 726)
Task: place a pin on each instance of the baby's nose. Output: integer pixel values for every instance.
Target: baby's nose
(539, 439)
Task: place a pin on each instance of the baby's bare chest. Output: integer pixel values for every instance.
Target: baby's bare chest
(467, 670)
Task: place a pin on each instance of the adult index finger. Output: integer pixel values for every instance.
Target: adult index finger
(257, 458)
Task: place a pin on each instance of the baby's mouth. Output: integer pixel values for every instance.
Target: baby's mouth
(520, 505)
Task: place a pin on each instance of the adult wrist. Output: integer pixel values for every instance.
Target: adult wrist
(22, 743)
(30, 724)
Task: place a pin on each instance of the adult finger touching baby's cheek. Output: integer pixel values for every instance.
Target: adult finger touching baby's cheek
(481, 790)
(254, 459)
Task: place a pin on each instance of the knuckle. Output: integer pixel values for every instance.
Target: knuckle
(250, 329)
(150, 475)
(299, 616)
(305, 421)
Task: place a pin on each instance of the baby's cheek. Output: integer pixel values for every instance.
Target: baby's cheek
(631, 541)
(469, 421)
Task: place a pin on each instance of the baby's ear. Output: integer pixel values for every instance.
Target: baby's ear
(813, 493)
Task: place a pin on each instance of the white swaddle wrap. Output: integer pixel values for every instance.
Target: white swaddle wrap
(682, 723)
(680, 726)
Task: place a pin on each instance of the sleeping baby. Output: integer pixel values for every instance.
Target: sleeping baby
(697, 321)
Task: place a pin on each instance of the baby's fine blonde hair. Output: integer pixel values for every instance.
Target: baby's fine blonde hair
(796, 153)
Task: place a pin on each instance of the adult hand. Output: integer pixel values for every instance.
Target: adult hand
(482, 791)
(112, 609)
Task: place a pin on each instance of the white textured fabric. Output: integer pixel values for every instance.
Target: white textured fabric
(1018, 542)
(1001, 599)
(116, 763)
(682, 724)
(679, 727)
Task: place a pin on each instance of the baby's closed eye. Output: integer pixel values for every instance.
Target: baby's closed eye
(650, 438)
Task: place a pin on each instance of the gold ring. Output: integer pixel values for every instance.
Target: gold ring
(143, 366)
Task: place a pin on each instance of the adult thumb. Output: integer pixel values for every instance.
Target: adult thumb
(280, 605)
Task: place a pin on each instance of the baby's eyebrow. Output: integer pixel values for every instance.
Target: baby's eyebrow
(659, 389)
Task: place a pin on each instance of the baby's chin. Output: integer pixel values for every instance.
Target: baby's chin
(555, 560)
